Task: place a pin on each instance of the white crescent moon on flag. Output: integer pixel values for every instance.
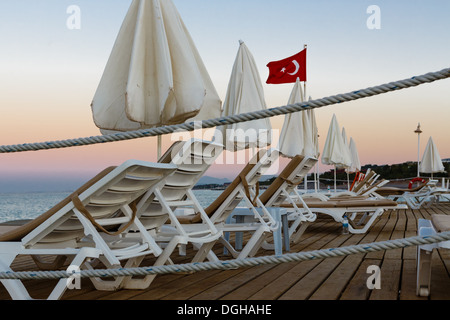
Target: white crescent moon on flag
(297, 68)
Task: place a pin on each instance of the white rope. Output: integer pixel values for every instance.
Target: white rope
(232, 264)
(340, 98)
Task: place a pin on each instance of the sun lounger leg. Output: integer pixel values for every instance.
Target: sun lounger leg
(369, 223)
(141, 284)
(62, 284)
(295, 237)
(423, 272)
(228, 247)
(15, 288)
(203, 252)
(424, 254)
(253, 244)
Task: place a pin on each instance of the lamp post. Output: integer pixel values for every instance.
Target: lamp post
(418, 131)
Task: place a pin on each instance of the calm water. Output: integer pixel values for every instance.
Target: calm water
(18, 206)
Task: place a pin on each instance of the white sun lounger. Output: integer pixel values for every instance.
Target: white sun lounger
(90, 224)
(284, 190)
(423, 195)
(438, 223)
(242, 188)
(174, 197)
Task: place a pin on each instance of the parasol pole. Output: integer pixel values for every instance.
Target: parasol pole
(335, 189)
(159, 147)
(348, 182)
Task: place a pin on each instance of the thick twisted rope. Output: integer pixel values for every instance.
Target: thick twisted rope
(336, 99)
(232, 264)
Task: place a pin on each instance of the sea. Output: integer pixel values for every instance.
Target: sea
(24, 206)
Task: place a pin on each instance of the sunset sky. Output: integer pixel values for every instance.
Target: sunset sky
(49, 74)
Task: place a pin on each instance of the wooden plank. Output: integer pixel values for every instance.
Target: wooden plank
(395, 253)
(409, 281)
(304, 288)
(312, 236)
(410, 253)
(219, 290)
(390, 281)
(385, 233)
(440, 280)
(332, 288)
(275, 288)
(247, 290)
(166, 281)
(411, 224)
(357, 288)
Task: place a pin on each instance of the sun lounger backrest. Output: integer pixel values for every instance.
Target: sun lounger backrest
(192, 158)
(364, 182)
(387, 191)
(103, 198)
(291, 176)
(246, 180)
(18, 233)
(232, 196)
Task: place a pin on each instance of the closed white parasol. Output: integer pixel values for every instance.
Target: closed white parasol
(356, 163)
(154, 75)
(431, 160)
(245, 94)
(334, 151)
(296, 136)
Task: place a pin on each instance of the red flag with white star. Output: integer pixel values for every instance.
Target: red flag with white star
(288, 70)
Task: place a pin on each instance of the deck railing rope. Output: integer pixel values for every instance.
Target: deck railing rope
(336, 99)
(232, 264)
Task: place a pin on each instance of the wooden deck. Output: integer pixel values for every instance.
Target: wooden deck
(342, 278)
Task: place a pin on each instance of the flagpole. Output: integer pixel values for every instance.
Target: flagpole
(304, 83)
(304, 98)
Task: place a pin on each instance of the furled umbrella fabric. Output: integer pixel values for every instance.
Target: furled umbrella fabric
(315, 138)
(334, 152)
(315, 131)
(346, 149)
(431, 160)
(356, 163)
(245, 94)
(296, 136)
(155, 75)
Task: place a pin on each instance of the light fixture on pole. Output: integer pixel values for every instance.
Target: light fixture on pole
(418, 131)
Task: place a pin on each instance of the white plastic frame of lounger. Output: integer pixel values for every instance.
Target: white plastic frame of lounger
(369, 190)
(425, 197)
(264, 222)
(193, 159)
(301, 217)
(94, 245)
(370, 211)
(424, 253)
(289, 193)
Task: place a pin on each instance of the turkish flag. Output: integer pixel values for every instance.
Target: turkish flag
(288, 70)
